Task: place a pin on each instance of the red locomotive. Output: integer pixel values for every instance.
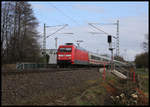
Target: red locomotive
(71, 54)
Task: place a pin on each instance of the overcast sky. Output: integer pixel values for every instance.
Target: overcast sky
(132, 16)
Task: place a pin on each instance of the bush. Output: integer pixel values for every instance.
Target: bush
(141, 60)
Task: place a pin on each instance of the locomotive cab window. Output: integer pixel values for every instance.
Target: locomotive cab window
(65, 49)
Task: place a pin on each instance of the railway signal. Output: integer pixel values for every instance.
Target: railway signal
(109, 38)
(103, 32)
(111, 49)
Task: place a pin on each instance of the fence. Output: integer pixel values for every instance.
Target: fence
(22, 66)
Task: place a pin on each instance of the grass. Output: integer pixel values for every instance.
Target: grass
(95, 95)
(144, 78)
(9, 66)
(92, 96)
(92, 92)
(141, 71)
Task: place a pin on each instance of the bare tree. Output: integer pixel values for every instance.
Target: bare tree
(141, 60)
(18, 33)
(6, 28)
(145, 43)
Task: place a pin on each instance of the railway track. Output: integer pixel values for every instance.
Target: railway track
(24, 87)
(11, 72)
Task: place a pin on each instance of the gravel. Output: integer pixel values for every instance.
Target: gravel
(24, 86)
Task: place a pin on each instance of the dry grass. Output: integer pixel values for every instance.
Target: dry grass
(9, 67)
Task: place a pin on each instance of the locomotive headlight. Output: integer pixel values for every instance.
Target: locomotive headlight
(68, 55)
(60, 55)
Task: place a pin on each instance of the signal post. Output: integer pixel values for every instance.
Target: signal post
(111, 49)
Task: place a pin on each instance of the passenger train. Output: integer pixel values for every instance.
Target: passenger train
(69, 54)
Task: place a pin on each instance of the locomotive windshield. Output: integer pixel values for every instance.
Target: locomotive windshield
(65, 50)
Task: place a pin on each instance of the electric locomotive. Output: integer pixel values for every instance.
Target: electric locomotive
(70, 54)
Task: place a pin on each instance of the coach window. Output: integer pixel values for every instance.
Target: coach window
(92, 57)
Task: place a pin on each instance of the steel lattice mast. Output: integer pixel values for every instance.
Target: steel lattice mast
(103, 32)
(117, 35)
(44, 40)
(44, 35)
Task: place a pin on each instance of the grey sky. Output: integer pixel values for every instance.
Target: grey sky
(133, 18)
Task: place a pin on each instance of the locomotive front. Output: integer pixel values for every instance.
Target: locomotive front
(65, 55)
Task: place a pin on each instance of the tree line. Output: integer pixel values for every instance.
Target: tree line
(19, 37)
(141, 60)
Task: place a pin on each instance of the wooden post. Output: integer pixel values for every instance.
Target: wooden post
(104, 72)
(133, 76)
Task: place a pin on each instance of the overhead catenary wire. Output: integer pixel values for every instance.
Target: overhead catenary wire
(75, 20)
(104, 23)
(64, 14)
(56, 25)
(98, 29)
(117, 34)
(70, 18)
(58, 30)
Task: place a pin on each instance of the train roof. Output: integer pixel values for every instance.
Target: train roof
(71, 44)
(80, 48)
(95, 54)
